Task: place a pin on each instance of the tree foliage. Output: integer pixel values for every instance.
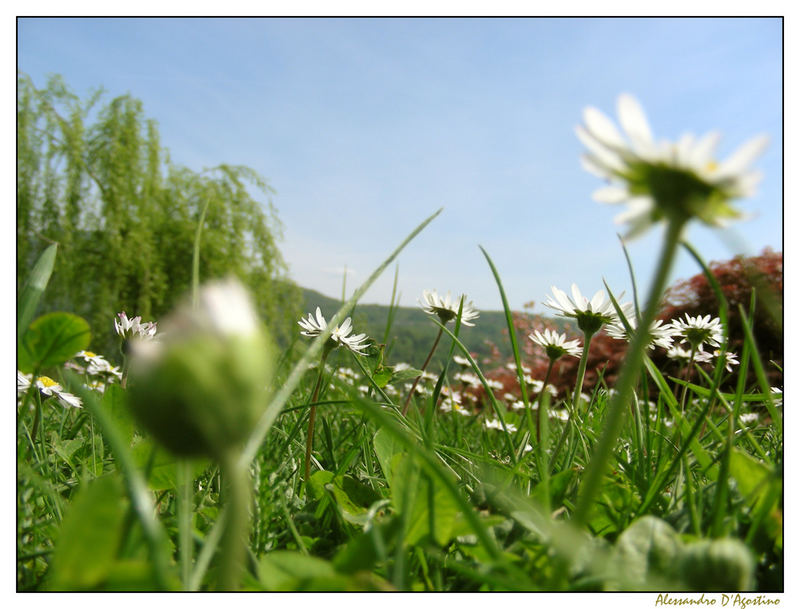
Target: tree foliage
(95, 179)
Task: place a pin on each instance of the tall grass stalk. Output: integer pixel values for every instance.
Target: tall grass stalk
(627, 378)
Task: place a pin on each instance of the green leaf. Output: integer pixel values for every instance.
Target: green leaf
(90, 535)
(386, 446)
(115, 402)
(364, 550)
(164, 468)
(351, 497)
(647, 552)
(292, 571)
(51, 340)
(35, 286)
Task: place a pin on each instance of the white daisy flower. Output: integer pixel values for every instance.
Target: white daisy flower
(134, 327)
(730, 359)
(513, 367)
(698, 331)
(468, 379)
(664, 180)
(519, 405)
(446, 308)
(682, 355)
(561, 415)
(340, 336)
(748, 418)
(537, 386)
(461, 361)
(555, 344)
(493, 384)
(590, 314)
(660, 334)
(496, 424)
(49, 388)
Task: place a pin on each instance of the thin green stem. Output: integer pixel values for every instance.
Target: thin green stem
(587, 340)
(627, 378)
(185, 508)
(424, 367)
(312, 415)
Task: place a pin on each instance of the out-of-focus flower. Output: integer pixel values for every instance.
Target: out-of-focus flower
(664, 180)
(468, 379)
(446, 308)
(682, 355)
(339, 336)
(201, 389)
(496, 424)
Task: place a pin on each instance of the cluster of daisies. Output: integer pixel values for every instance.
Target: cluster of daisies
(95, 369)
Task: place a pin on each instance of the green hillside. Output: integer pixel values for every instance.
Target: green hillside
(412, 332)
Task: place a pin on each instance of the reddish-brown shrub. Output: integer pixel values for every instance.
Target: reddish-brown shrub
(737, 278)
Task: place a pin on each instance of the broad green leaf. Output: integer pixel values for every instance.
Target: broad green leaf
(386, 446)
(164, 468)
(51, 340)
(753, 478)
(647, 552)
(35, 286)
(115, 403)
(350, 496)
(90, 536)
(364, 550)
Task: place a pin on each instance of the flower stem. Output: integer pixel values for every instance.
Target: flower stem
(627, 378)
(424, 367)
(686, 378)
(236, 481)
(587, 340)
(312, 415)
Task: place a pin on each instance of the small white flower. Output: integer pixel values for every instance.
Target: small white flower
(446, 308)
(134, 327)
(340, 336)
(664, 180)
(748, 418)
(561, 415)
(468, 379)
(660, 334)
(513, 367)
(461, 361)
(496, 424)
(555, 344)
(730, 359)
(680, 354)
(590, 314)
(49, 388)
(493, 384)
(698, 331)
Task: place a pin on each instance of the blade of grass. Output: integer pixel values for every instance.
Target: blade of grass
(34, 288)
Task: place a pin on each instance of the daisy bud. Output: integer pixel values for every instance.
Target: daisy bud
(200, 390)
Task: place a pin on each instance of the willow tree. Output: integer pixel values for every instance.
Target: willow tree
(94, 178)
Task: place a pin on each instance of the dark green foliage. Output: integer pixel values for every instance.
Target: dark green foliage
(95, 180)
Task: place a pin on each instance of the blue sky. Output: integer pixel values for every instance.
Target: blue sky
(365, 127)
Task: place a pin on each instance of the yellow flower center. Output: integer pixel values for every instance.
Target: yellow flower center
(711, 166)
(46, 381)
(89, 354)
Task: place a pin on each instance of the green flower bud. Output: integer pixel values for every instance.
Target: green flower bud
(200, 388)
(718, 565)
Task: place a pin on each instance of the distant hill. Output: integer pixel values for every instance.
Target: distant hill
(412, 332)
